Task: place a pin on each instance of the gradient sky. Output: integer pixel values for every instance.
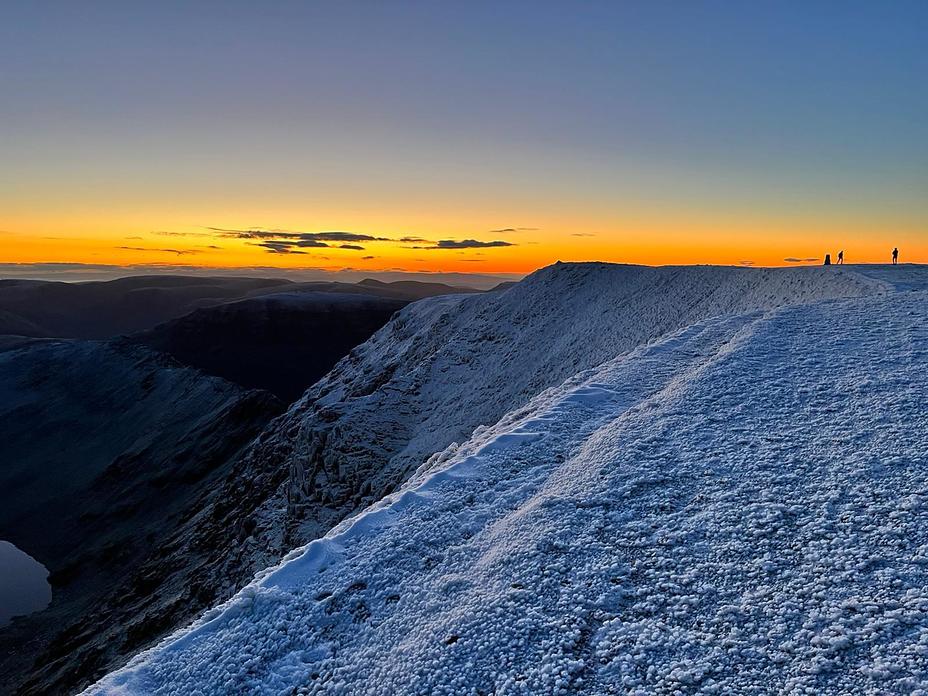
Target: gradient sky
(643, 132)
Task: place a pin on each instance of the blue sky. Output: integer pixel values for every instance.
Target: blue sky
(605, 112)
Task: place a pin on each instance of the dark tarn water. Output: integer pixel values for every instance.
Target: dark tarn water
(24, 586)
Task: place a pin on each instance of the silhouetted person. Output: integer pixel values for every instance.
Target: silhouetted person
(895, 256)
(827, 259)
(841, 257)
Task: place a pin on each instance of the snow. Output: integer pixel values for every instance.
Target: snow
(447, 365)
(740, 506)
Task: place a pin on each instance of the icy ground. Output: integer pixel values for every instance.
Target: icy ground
(741, 507)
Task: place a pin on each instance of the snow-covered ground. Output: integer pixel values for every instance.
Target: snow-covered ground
(740, 506)
(447, 365)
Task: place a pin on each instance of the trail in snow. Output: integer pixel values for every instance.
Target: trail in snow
(739, 507)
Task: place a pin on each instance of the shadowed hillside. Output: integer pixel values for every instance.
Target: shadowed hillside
(108, 448)
(281, 343)
(103, 450)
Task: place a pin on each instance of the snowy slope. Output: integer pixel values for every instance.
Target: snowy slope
(447, 365)
(739, 506)
(438, 370)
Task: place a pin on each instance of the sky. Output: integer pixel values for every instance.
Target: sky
(490, 137)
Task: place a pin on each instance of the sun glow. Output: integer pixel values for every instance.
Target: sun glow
(437, 245)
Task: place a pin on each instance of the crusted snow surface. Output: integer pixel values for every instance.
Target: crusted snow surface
(741, 507)
(447, 365)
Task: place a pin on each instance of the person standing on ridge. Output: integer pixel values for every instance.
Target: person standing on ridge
(841, 257)
(895, 255)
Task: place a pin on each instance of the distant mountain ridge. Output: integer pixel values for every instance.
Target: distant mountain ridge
(96, 310)
(104, 309)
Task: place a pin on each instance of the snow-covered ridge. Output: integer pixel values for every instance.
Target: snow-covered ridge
(687, 516)
(447, 365)
(522, 427)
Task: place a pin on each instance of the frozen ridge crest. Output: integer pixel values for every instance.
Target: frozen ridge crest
(737, 507)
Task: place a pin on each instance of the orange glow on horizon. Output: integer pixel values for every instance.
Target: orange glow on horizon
(147, 239)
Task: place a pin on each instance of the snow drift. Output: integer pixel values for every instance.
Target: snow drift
(739, 504)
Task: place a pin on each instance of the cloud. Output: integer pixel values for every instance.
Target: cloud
(368, 258)
(138, 238)
(345, 237)
(279, 247)
(412, 240)
(327, 236)
(582, 234)
(289, 241)
(56, 266)
(283, 246)
(179, 252)
(504, 230)
(746, 263)
(465, 244)
(164, 233)
(793, 259)
(254, 234)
